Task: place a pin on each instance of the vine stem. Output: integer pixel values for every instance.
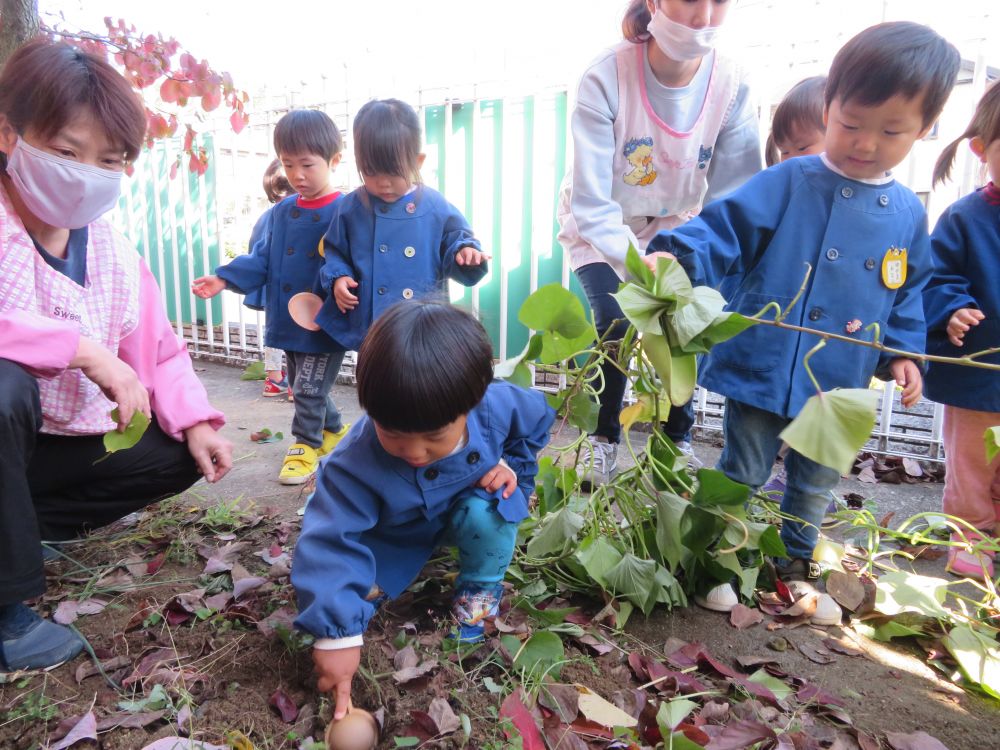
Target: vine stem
(969, 360)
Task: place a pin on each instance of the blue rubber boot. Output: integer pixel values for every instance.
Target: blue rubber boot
(29, 642)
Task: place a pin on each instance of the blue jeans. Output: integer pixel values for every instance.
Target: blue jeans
(600, 281)
(752, 442)
(485, 541)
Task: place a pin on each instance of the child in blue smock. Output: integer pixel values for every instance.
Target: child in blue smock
(393, 238)
(865, 237)
(962, 303)
(286, 261)
(276, 188)
(444, 456)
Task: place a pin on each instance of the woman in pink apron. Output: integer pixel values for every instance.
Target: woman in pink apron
(663, 123)
(82, 332)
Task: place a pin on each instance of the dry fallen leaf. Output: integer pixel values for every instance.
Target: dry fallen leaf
(742, 617)
(600, 711)
(846, 589)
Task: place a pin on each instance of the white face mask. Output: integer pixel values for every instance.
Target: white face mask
(61, 192)
(680, 42)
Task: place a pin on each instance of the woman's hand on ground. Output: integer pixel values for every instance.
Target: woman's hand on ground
(335, 670)
(116, 380)
(211, 452)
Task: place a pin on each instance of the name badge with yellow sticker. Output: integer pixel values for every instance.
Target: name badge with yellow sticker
(894, 267)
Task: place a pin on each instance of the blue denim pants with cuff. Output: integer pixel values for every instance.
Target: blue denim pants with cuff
(752, 442)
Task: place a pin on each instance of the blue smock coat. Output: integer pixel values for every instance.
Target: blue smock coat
(395, 251)
(375, 519)
(285, 261)
(766, 231)
(255, 300)
(966, 248)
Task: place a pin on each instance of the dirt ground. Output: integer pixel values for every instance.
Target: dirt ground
(230, 673)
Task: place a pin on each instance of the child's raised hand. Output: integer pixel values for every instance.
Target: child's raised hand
(207, 286)
(961, 321)
(469, 256)
(908, 377)
(335, 669)
(342, 293)
(499, 476)
(650, 260)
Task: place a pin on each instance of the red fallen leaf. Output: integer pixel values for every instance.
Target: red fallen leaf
(713, 712)
(915, 741)
(129, 720)
(282, 617)
(444, 718)
(809, 693)
(562, 700)
(750, 661)
(85, 728)
(150, 662)
(693, 733)
(89, 669)
(562, 737)
(816, 653)
(598, 647)
(742, 617)
(755, 689)
(421, 726)
(783, 590)
(513, 708)
(842, 648)
(867, 742)
(591, 729)
(284, 705)
(156, 563)
(740, 735)
(639, 666)
(578, 618)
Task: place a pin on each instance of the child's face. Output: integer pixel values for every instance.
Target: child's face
(866, 141)
(988, 155)
(695, 14)
(802, 141)
(309, 174)
(421, 448)
(388, 187)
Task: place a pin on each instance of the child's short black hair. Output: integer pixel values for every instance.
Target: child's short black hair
(422, 366)
(899, 57)
(387, 139)
(307, 131)
(801, 107)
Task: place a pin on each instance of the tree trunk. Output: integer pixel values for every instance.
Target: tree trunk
(18, 24)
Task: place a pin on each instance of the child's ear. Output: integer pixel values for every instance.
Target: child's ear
(420, 161)
(335, 160)
(826, 116)
(978, 147)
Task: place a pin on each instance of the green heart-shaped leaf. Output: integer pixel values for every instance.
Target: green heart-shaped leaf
(833, 426)
(118, 441)
(992, 439)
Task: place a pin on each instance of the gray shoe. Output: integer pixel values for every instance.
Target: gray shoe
(693, 461)
(598, 462)
(29, 642)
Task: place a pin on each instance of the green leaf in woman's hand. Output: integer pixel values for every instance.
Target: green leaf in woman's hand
(118, 441)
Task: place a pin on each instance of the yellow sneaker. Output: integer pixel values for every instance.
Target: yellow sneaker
(330, 440)
(300, 463)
